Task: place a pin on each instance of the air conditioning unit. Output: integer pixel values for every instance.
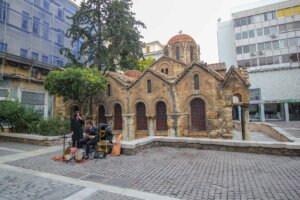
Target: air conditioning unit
(252, 54)
(260, 53)
(273, 36)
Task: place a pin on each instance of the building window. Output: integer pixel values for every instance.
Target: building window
(34, 56)
(285, 58)
(251, 34)
(4, 93)
(276, 59)
(196, 82)
(60, 37)
(267, 31)
(253, 62)
(108, 90)
(161, 116)
(60, 14)
(283, 43)
(149, 89)
(167, 71)
(245, 35)
(23, 53)
(60, 62)
(198, 118)
(46, 30)
(35, 26)
(268, 45)
(246, 49)
(262, 61)
(191, 53)
(238, 36)
(239, 50)
(25, 18)
(292, 42)
(260, 46)
(269, 60)
(3, 47)
(45, 59)
(101, 114)
(282, 28)
(275, 44)
(294, 57)
(4, 10)
(141, 119)
(34, 100)
(46, 4)
(244, 21)
(252, 48)
(177, 53)
(274, 30)
(118, 117)
(259, 32)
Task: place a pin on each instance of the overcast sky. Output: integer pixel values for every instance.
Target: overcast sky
(198, 18)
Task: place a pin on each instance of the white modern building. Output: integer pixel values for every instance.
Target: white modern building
(266, 40)
(153, 49)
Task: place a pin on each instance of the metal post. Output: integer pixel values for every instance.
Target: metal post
(243, 123)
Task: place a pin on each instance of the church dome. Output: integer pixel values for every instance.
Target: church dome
(182, 38)
(133, 73)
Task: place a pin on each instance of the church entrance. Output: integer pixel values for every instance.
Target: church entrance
(198, 118)
(141, 119)
(118, 117)
(161, 116)
(101, 115)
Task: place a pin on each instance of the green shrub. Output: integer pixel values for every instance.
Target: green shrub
(17, 116)
(51, 127)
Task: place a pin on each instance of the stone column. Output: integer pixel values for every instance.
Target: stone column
(245, 122)
(128, 127)
(151, 125)
(262, 112)
(286, 112)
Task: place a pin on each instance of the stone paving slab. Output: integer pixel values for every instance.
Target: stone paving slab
(15, 185)
(19, 146)
(108, 196)
(6, 152)
(190, 173)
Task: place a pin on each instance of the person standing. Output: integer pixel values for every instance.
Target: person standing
(76, 127)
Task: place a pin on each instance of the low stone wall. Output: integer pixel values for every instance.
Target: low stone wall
(266, 128)
(32, 139)
(276, 148)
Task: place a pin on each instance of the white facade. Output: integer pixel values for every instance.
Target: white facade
(153, 50)
(267, 42)
(226, 46)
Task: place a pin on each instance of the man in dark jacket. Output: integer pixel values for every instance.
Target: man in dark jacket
(90, 138)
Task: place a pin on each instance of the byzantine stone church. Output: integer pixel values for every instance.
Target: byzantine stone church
(178, 95)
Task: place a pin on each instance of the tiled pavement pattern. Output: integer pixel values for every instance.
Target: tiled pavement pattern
(188, 173)
(108, 196)
(15, 185)
(292, 127)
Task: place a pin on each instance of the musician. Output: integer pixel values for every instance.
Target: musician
(76, 127)
(90, 137)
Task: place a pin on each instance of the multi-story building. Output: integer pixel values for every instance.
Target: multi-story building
(267, 42)
(154, 50)
(31, 36)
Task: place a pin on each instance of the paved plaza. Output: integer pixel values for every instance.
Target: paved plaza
(155, 173)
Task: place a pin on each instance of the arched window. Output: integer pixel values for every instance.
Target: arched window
(149, 90)
(191, 53)
(161, 116)
(196, 82)
(177, 53)
(118, 117)
(167, 71)
(141, 119)
(162, 71)
(108, 90)
(101, 115)
(198, 118)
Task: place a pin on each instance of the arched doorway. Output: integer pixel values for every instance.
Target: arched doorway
(198, 117)
(236, 109)
(141, 119)
(118, 117)
(161, 116)
(101, 115)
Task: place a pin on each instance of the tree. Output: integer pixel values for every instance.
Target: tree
(77, 84)
(142, 65)
(109, 33)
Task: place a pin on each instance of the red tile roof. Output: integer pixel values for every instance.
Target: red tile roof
(133, 73)
(180, 38)
(217, 66)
